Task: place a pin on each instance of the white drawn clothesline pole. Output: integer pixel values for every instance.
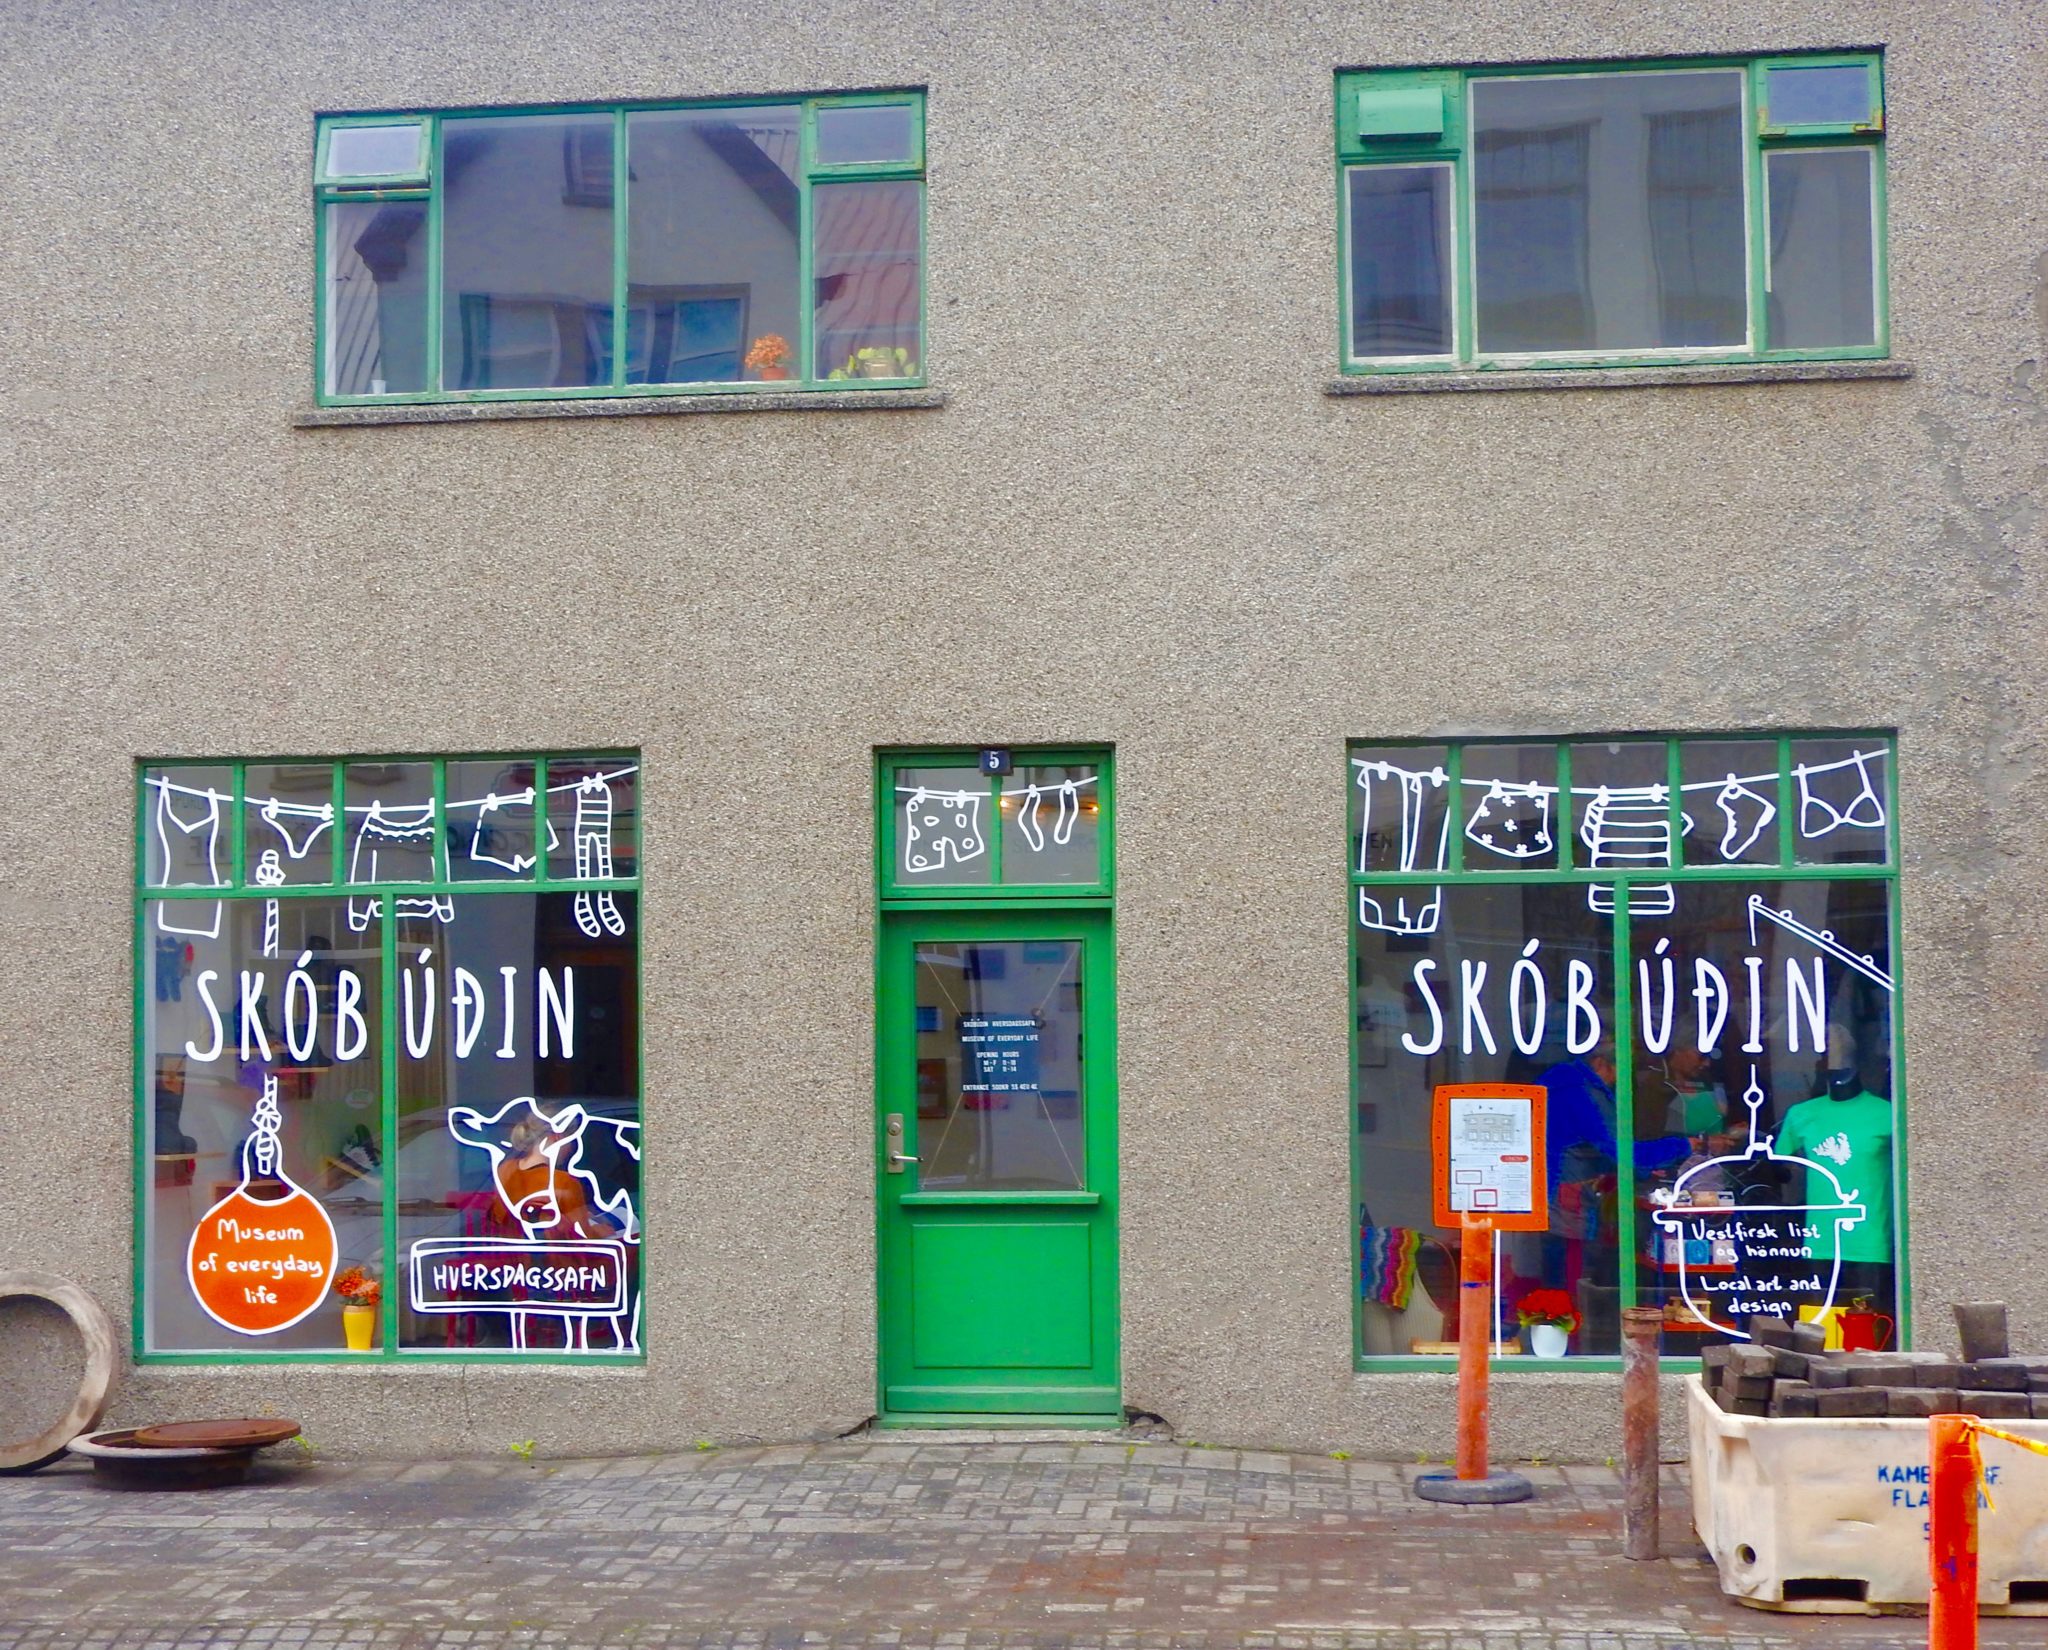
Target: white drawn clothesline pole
(1532, 787)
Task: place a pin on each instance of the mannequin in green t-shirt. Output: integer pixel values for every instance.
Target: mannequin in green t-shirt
(1848, 1129)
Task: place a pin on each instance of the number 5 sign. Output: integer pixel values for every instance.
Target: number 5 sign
(1487, 1152)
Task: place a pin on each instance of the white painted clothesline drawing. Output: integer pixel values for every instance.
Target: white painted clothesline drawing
(931, 838)
(1675, 1210)
(1821, 939)
(1624, 827)
(205, 829)
(262, 802)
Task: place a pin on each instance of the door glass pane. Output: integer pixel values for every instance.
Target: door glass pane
(866, 273)
(711, 263)
(288, 823)
(1052, 825)
(864, 134)
(526, 208)
(999, 1065)
(1400, 258)
(1609, 211)
(942, 827)
(1823, 289)
(1833, 95)
(376, 297)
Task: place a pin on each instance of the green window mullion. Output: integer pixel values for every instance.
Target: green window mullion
(393, 1278)
(540, 822)
(1624, 1096)
(1464, 243)
(1566, 845)
(621, 173)
(436, 377)
(1454, 801)
(444, 872)
(1674, 781)
(338, 790)
(238, 848)
(1786, 842)
(1756, 221)
(805, 280)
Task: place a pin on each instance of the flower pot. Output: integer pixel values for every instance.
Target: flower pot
(882, 369)
(359, 1324)
(774, 374)
(1548, 1340)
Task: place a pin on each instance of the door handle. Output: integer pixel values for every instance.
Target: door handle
(892, 1135)
(899, 1157)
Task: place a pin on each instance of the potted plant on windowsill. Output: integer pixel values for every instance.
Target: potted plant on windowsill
(1549, 1317)
(359, 1292)
(876, 361)
(769, 356)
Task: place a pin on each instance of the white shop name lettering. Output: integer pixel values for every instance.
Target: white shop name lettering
(544, 1006)
(1517, 1008)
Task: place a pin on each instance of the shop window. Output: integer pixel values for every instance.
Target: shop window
(1041, 825)
(1688, 945)
(1601, 214)
(388, 1052)
(621, 250)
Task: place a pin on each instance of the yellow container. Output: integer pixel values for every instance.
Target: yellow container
(359, 1324)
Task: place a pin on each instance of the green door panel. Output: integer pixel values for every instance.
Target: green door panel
(1000, 1296)
(997, 1246)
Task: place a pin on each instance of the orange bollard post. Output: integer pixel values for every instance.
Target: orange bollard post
(1951, 1533)
(1473, 1483)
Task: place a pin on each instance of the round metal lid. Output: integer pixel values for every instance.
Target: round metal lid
(246, 1434)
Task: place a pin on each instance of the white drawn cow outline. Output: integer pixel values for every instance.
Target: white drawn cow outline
(537, 1213)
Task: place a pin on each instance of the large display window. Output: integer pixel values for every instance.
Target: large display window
(1687, 944)
(388, 1058)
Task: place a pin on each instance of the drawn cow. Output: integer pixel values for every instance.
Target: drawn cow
(532, 1152)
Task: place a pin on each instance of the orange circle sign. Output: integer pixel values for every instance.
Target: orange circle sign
(260, 1265)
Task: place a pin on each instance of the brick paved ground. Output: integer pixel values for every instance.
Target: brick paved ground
(907, 1546)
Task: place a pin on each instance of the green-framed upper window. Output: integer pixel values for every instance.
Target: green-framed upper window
(1690, 944)
(1599, 214)
(620, 249)
(951, 829)
(388, 1044)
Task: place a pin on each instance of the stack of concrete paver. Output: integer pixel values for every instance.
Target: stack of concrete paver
(1787, 1371)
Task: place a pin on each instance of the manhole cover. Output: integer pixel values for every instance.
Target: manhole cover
(251, 1434)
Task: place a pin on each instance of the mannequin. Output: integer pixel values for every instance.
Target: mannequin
(1848, 1130)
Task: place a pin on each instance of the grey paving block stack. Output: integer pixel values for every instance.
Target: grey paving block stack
(1786, 1371)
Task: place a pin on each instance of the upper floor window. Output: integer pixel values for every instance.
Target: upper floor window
(621, 250)
(1592, 214)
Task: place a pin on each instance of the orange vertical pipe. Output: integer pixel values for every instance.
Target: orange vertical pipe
(1951, 1534)
(1475, 1330)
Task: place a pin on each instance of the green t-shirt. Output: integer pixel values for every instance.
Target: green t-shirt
(1853, 1137)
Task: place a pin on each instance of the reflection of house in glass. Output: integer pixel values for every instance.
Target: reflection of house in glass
(529, 242)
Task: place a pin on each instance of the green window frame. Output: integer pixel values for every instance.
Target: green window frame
(1002, 862)
(431, 318)
(1391, 122)
(1814, 819)
(281, 846)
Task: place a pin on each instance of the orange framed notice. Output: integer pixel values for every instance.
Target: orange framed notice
(1487, 1155)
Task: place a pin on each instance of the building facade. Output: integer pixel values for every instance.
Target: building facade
(787, 720)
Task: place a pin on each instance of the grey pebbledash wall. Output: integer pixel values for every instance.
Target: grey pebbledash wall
(1136, 518)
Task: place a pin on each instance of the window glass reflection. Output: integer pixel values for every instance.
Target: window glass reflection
(1052, 824)
(186, 841)
(526, 251)
(1400, 260)
(999, 1065)
(288, 823)
(712, 253)
(1830, 95)
(374, 151)
(867, 279)
(1822, 223)
(942, 827)
(864, 134)
(376, 297)
(1609, 211)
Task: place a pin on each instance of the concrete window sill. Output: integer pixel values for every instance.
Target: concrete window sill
(633, 406)
(1616, 378)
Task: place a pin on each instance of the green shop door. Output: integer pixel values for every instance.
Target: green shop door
(996, 1165)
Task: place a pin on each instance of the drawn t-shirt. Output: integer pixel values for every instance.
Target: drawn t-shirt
(1853, 1137)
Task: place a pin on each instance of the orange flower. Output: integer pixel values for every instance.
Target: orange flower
(357, 1288)
(771, 349)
